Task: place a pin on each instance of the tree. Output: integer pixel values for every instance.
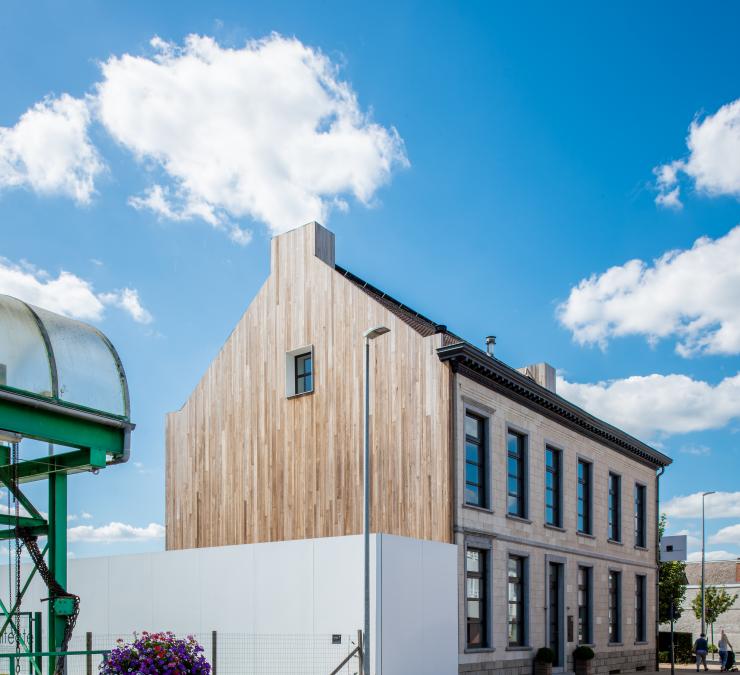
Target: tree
(716, 602)
(671, 584)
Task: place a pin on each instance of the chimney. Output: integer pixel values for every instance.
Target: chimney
(490, 344)
(542, 373)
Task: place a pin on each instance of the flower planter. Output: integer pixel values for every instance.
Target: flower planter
(583, 667)
(542, 668)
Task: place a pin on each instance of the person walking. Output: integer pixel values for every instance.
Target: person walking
(724, 647)
(701, 647)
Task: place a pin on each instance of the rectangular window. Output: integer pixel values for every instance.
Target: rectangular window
(553, 487)
(584, 605)
(303, 373)
(615, 507)
(516, 496)
(476, 585)
(584, 496)
(475, 460)
(615, 606)
(640, 608)
(516, 591)
(640, 537)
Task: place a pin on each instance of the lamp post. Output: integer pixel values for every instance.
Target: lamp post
(369, 335)
(703, 609)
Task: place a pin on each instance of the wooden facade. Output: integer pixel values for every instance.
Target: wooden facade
(248, 464)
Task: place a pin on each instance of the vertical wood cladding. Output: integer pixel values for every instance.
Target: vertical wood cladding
(245, 464)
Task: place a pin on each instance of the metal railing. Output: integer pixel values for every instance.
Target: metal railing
(73, 665)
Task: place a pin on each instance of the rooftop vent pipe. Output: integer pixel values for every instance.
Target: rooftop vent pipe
(490, 344)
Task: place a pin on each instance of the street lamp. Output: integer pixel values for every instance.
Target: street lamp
(369, 335)
(703, 609)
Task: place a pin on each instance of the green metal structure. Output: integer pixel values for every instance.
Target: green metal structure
(63, 384)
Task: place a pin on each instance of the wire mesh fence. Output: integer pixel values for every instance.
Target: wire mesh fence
(237, 653)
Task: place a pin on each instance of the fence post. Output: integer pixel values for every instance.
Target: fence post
(37, 639)
(214, 651)
(88, 646)
(360, 653)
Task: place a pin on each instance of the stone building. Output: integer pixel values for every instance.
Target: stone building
(552, 510)
(724, 574)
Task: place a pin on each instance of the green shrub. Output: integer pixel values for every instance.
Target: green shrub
(544, 655)
(664, 657)
(583, 653)
(713, 649)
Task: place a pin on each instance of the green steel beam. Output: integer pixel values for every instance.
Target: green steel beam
(16, 491)
(40, 468)
(10, 534)
(21, 521)
(57, 555)
(59, 427)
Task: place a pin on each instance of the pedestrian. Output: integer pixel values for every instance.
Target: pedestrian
(724, 647)
(700, 649)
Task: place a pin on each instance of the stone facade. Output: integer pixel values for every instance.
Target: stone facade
(503, 535)
(725, 574)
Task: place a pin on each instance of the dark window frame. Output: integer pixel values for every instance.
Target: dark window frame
(482, 576)
(520, 457)
(584, 628)
(482, 465)
(640, 608)
(614, 607)
(556, 471)
(301, 374)
(584, 520)
(640, 505)
(520, 579)
(614, 507)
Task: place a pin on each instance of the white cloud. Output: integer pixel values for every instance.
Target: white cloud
(86, 516)
(268, 131)
(658, 404)
(49, 150)
(66, 293)
(727, 535)
(692, 295)
(128, 300)
(718, 505)
(712, 555)
(695, 450)
(714, 158)
(115, 532)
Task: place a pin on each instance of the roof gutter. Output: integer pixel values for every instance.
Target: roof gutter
(496, 375)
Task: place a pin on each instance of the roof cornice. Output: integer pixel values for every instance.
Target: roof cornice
(496, 375)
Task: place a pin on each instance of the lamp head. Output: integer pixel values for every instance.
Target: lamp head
(372, 333)
(705, 494)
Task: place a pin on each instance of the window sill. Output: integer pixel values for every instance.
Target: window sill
(519, 519)
(479, 650)
(615, 644)
(587, 535)
(473, 507)
(640, 548)
(557, 528)
(587, 644)
(523, 648)
(642, 642)
(303, 393)
(615, 542)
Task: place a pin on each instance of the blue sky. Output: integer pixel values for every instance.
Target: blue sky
(478, 161)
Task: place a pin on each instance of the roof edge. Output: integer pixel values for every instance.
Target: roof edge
(495, 374)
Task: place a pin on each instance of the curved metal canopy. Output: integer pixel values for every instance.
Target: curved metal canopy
(64, 361)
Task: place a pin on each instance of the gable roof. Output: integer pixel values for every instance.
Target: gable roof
(495, 374)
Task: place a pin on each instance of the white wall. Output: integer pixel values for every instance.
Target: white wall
(304, 587)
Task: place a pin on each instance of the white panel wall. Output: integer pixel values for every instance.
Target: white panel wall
(284, 588)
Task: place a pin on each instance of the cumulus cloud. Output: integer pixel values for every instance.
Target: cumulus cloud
(712, 555)
(49, 151)
(713, 162)
(727, 535)
(115, 532)
(718, 505)
(267, 131)
(692, 295)
(66, 293)
(658, 404)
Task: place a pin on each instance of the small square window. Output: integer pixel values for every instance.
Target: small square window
(303, 373)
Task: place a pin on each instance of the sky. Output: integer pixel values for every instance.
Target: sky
(566, 177)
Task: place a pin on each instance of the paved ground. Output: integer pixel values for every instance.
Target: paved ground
(688, 667)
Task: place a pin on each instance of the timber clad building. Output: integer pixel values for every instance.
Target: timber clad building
(552, 510)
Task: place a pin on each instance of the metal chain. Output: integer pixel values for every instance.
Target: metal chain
(14, 459)
(55, 591)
